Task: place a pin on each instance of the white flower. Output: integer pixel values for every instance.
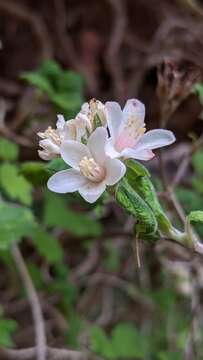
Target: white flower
(52, 139)
(94, 110)
(91, 170)
(90, 117)
(127, 131)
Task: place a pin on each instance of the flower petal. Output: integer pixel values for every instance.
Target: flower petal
(64, 181)
(115, 170)
(96, 144)
(47, 144)
(110, 149)
(114, 117)
(137, 154)
(134, 108)
(72, 152)
(92, 191)
(154, 139)
(60, 122)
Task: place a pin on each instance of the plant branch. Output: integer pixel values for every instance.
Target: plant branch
(40, 335)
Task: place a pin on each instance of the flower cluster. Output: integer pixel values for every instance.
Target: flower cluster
(95, 145)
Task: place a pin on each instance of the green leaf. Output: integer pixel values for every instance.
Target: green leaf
(136, 168)
(56, 213)
(129, 199)
(35, 172)
(198, 90)
(67, 102)
(15, 223)
(56, 165)
(38, 80)
(8, 150)
(70, 82)
(14, 185)
(100, 344)
(197, 162)
(197, 184)
(7, 328)
(127, 342)
(171, 355)
(47, 246)
(196, 216)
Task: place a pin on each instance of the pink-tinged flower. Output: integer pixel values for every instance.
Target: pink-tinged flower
(127, 130)
(52, 139)
(91, 169)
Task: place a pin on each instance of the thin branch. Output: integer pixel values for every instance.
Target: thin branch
(17, 10)
(34, 303)
(31, 353)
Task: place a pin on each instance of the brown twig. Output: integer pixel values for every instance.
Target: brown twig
(40, 334)
(31, 353)
(17, 10)
(115, 42)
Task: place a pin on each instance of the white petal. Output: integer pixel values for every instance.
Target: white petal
(60, 122)
(110, 149)
(72, 152)
(65, 181)
(134, 108)
(154, 139)
(115, 170)
(92, 191)
(114, 117)
(130, 153)
(96, 144)
(46, 155)
(47, 144)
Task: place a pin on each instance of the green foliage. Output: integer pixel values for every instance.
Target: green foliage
(196, 216)
(197, 162)
(7, 328)
(8, 150)
(56, 213)
(169, 355)
(62, 87)
(15, 186)
(125, 342)
(128, 198)
(15, 223)
(35, 172)
(139, 178)
(111, 260)
(56, 165)
(47, 246)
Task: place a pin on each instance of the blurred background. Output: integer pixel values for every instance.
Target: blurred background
(55, 55)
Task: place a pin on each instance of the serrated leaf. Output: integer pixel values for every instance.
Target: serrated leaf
(47, 246)
(8, 150)
(14, 185)
(196, 216)
(56, 213)
(15, 223)
(136, 168)
(129, 199)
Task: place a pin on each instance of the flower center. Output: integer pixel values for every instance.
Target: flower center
(130, 134)
(53, 135)
(91, 170)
